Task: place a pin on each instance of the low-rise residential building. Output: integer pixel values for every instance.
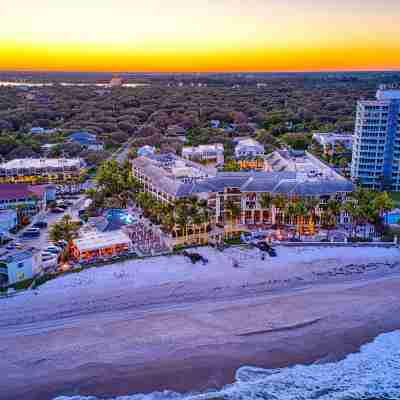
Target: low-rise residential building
(87, 140)
(41, 170)
(100, 245)
(17, 266)
(8, 220)
(213, 153)
(330, 140)
(145, 151)
(248, 148)
(176, 132)
(215, 123)
(249, 154)
(25, 199)
(169, 177)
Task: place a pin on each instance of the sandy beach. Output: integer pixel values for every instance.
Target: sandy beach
(164, 323)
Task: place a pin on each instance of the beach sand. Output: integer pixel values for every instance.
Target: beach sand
(164, 323)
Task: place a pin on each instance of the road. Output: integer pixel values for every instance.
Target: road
(122, 153)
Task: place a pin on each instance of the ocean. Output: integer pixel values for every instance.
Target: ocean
(371, 374)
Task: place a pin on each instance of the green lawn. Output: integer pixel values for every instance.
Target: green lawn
(395, 196)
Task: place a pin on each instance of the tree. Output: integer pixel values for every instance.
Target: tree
(65, 229)
(333, 210)
(265, 201)
(279, 202)
(234, 211)
(301, 212)
(231, 166)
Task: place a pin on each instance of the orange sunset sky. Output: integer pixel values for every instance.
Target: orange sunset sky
(187, 35)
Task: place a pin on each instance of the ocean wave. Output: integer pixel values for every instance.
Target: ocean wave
(371, 374)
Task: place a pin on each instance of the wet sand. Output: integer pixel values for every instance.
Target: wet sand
(187, 336)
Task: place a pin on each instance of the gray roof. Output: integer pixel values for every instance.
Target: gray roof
(157, 175)
(273, 182)
(16, 256)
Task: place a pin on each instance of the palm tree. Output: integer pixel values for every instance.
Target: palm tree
(279, 202)
(234, 211)
(354, 212)
(301, 212)
(65, 229)
(333, 210)
(311, 204)
(265, 201)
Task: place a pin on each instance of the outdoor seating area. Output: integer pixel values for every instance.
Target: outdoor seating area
(147, 239)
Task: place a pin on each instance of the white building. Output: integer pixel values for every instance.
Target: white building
(331, 139)
(19, 266)
(8, 220)
(207, 153)
(248, 148)
(168, 177)
(146, 151)
(376, 149)
(100, 244)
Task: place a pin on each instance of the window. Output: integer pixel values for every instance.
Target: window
(20, 265)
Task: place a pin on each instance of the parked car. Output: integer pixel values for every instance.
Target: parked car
(29, 234)
(57, 210)
(40, 224)
(61, 243)
(53, 249)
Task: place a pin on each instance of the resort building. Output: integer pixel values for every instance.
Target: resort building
(169, 177)
(41, 170)
(25, 199)
(249, 154)
(246, 192)
(100, 245)
(210, 153)
(330, 141)
(376, 150)
(16, 266)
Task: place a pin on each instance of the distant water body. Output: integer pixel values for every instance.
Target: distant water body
(371, 374)
(44, 84)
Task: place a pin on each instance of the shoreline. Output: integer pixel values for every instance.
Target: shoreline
(107, 340)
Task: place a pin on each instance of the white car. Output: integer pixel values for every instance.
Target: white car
(53, 249)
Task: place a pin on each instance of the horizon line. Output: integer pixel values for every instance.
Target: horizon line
(396, 70)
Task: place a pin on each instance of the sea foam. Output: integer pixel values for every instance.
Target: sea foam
(371, 374)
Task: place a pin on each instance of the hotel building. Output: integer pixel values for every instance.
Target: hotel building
(169, 177)
(376, 149)
(43, 170)
(294, 178)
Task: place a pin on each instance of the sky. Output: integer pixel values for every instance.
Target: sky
(199, 35)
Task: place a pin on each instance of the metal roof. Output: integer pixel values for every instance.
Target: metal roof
(102, 240)
(273, 182)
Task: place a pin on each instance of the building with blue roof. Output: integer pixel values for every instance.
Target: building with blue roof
(87, 140)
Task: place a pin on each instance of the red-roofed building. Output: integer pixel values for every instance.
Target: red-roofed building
(26, 198)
